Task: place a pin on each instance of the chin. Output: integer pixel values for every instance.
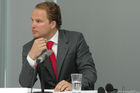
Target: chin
(36, 36)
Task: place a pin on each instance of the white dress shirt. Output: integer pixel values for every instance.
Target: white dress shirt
(54, 48)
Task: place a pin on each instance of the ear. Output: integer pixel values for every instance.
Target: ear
(53, 24)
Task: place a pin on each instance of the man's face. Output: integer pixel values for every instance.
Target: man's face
(41, 27)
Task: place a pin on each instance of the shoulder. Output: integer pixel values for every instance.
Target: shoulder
(71, 34)
(28, 44)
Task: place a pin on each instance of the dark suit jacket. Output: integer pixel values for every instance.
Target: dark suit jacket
(73, 56)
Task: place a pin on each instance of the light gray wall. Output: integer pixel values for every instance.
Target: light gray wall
(112, 30)
(1, 43)
(15, 31)
(18, 33)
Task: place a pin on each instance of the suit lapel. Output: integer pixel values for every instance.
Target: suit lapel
(62, 51)
(48, 65)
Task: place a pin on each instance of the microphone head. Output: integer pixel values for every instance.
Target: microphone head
(109, 87)
(101, 90)
(43, 55)
(49, 52)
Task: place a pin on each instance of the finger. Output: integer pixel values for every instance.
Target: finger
(41, 48)
(67, 86)
(63, 87)
(43, 44)
(40, 39)
(38, 42)
(56, 89)
(68, 89)
(44, 40)
(58, 86)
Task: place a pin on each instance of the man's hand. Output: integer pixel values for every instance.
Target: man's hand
(63, 86)
(38, 46)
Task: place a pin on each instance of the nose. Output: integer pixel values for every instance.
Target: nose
(33, 24)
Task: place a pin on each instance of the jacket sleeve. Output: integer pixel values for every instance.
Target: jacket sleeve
(86, 64)
(27, 72)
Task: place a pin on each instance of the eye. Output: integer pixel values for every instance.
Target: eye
(38, 21)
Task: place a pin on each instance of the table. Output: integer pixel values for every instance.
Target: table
(28, 90)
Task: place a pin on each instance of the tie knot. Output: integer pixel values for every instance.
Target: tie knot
(49, 44)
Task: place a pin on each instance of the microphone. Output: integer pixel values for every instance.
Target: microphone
(110, 89)
(45, 53)
(101, 90)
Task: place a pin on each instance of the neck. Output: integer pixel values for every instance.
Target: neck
(51, 34)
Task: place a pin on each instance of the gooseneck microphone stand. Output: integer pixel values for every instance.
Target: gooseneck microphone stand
(42, 79)
(45, 54)
(34, 75)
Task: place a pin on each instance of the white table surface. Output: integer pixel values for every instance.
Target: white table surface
(28, 90)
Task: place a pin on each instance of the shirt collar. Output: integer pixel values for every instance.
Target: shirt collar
(55, 38)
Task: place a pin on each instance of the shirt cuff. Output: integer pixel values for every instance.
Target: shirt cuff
(31, 61)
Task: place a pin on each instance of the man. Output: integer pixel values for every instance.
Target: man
(70, 52)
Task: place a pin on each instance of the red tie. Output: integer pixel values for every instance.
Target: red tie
(52, 58)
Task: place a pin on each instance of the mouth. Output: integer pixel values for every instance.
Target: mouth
(34, 31)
